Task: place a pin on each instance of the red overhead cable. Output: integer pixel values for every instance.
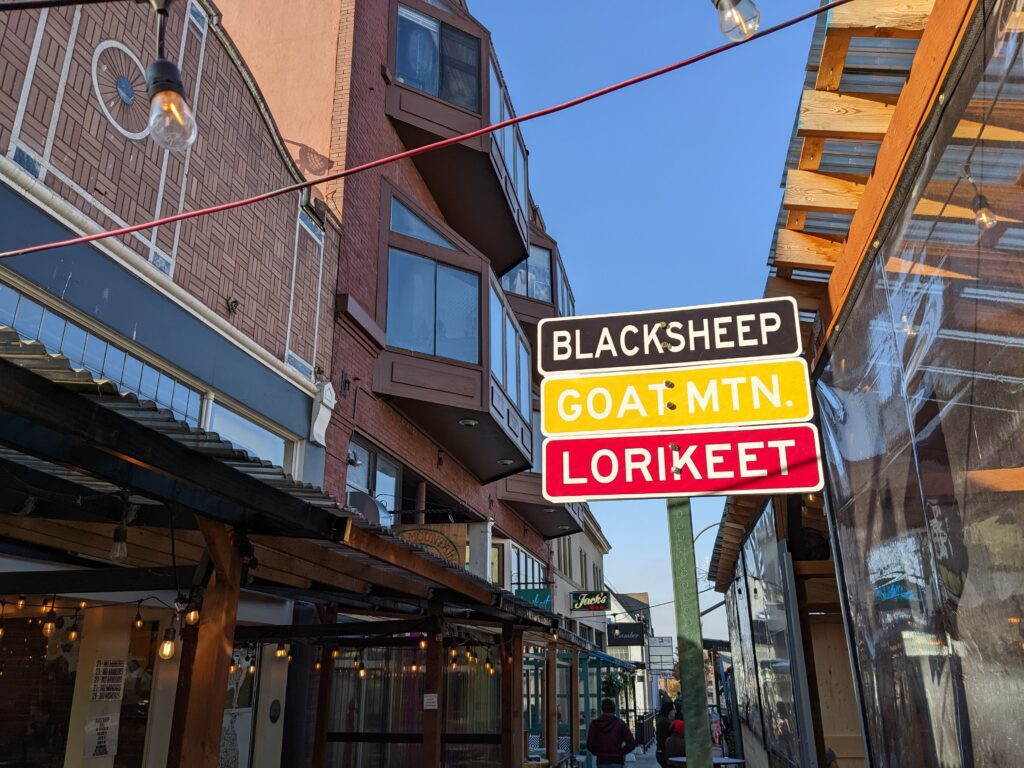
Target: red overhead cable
(427, 147)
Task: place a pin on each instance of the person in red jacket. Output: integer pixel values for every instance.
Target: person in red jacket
(608, 737)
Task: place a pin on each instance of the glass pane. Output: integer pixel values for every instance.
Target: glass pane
(8, 305)
(405, 222)
(95, 352)
(150, 382)
(410, 302)
(73, 344)
(246, 435)
(516, 279)
(539, 263)
(507, 136)
(497, 348)
(357, 475)
(27, 319)
(51, 331)
(417, 57)
(460, 68)
(194, 408)
(538, 439)
(179, 403)
(524, 379)
(132, 375)
(495, 95)
(458, 314)
(386, 487)
(113, 363)
(511, 371)
(165, 391)
(520, 171)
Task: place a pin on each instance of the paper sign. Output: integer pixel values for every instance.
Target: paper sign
(771, 392)
(108, 680)
(757, 460)
(744, 330)
(101, 736)
(430, 701)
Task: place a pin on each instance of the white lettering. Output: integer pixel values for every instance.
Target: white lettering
(592, 402)
(631, 402)
(580, 354)
(660, 389)
(773, 395)
(567, 477)
(684, 461)
(673, 332)
(745, 459)
(743, 328)
(770, 322)
(626, 350)
(721, 328)
(637, 459)
(661, 462)
(574, 410)
(704, 333)
(733, 383)
(651, 339)
(595, 469)
(714, 459)
(605, 344)
(561, 342)
(694, 397)
(782, 445)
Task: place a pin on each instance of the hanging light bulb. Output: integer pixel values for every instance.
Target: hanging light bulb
(252, 668)
(454, 653)
(290, 657)
(138, 623)
(21, 602)
(335, 653)
(50, 625)
(171, 123)
(491, 671)
(233, 668)
(73, 631)
(362, 673)
(738, 19)
(317, 666)
(119, 549)
(454, 666)
(46, 605)
(423, 643)
(166, 650)
(281, 651)
(984, 217)
(357, 663)
(412, 668)
(82, 605)
(490, 667)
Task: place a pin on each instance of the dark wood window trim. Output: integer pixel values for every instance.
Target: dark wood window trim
(466, 258)
(460, 20)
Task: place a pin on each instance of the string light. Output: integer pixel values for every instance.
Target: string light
(192, 616)
(281, 651)
(423, 643)
(73, 631)
(21, 602)
(738, 19)
(138, 623)
(167, 647)
(335, 653)
(82, 605)
(50, 625)
(119, 547)
(362, 672)
(252, 668)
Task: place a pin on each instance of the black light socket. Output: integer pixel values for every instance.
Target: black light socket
(163, 75)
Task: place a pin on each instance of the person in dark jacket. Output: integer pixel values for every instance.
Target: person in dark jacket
(675, 744)
(608, 737)
(662, 729)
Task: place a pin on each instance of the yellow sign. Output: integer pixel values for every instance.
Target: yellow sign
(769, 392)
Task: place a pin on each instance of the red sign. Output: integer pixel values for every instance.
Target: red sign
(778, 459)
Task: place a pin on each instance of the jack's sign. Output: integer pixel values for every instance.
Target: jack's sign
(669, 337)
(693, 401)
(590, 601)
(776, 459)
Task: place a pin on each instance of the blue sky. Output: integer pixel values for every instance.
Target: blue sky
(663, 195)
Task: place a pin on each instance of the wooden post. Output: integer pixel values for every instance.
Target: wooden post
(433, 695)
(325, 679)
(421, 502)
(574, 700)
(512, 698)
(199, 704)
(551, 703)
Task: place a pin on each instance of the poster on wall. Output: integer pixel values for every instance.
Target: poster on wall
(101, 736)
(108, 679)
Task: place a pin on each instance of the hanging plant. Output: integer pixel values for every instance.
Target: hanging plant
(613, 684)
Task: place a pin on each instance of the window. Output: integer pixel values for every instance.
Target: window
(538, 442)
(376, 475)
(433, 308)
(247, 435)
(531, 277)
(510, 355)
(405, 222)
(527, 571)
(438, 59)
(566, 305)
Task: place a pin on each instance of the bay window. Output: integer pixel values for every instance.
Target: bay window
(531, 277)
(510, 354)
(438, 59)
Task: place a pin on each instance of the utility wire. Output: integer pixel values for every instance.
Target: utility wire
(427, 147)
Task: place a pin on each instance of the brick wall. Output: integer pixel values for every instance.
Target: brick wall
(113, 178)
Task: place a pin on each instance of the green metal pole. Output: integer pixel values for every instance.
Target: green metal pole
(691, 646)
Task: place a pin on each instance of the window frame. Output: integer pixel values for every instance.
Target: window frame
(375, 453)
(463, 22)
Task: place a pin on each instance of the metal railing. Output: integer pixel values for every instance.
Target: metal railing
(645, 729)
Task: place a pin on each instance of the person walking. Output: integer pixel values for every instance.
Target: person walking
(675, 744)
(662, 729)
(608, 737)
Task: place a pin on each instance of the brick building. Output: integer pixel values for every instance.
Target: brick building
(264, 471)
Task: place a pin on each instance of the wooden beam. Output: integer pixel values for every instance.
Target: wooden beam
(1004, 480)
(830, 115)
(939, 45)
(807, 295)
(512, 698)
(551, 704)
(799, 250)
(808, 569)
(389, 552)
(820, 192)
(882, 18)
(833, 60)
(199, 703)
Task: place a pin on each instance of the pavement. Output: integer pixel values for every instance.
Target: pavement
(645, 761)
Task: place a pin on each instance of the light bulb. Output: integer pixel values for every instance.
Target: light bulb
(73, 633)
(738, 19)
(252, 669)
(491, 671)
(82, 605)
(423, 644)
(50, 625)
(2, 630)
(362, 673)
(192, 617)
(984, 216)
(21, 602)
(119, 549)
(281, 651)
(171, 123)
(138, 623)
(166, 650)
(335, 653)
(317, 666)
(412, 668)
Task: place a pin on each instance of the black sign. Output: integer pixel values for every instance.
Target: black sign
(712, 333)
(625, 634)
(590, 601)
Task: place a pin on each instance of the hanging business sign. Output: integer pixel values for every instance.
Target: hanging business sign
(625, 634)
(755, 460)
(692, 401)
(765, 392)
(662, 338)
(590, 601)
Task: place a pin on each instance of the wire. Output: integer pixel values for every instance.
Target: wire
(415, 152)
